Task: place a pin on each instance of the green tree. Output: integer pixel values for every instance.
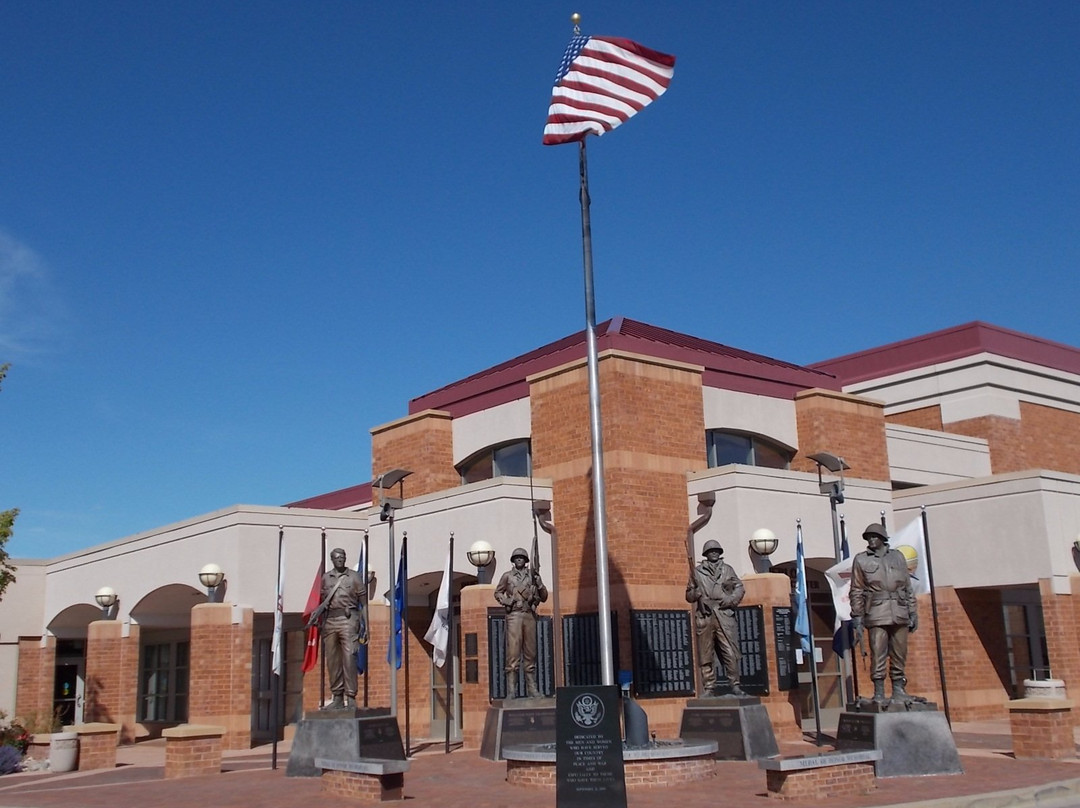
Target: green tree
(7, 527)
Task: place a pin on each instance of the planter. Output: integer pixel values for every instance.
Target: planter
(61, 749)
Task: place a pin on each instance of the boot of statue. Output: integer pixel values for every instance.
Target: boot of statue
(532, 689)
(338, 703)
(879, 692)
(899, 692)
(511, 685)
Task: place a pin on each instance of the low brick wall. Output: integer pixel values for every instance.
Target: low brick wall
(97, 745)
(365, 787)
(639, 774)
(1042, 729)
(849, 779)
(192, 750)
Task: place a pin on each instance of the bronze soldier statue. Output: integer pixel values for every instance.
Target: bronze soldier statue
(343, 612)
(882, 601)
(520, 591)
(716, 590)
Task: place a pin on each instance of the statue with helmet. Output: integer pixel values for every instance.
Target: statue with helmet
(521, 591)
(715, 590)
(882, 602)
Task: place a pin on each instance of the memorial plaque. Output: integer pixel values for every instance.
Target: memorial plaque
(588, 748)
(855, 731)
(545, 657)
(753, 666)
(662, 650)
(381, 738)
(581, 647)
(721, 726)
(784, 639)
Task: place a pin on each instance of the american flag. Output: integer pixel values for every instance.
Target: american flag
(601, 82)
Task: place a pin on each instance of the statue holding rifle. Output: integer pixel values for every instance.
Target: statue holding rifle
(715, 590)
(521, 591)
(883, 603)
(342, 613)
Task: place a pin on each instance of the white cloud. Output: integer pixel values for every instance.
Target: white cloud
(31, 312)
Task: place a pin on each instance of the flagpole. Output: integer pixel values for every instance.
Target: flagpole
(393, 609)
(810, 634)
(404, 631)
(322, 656)
(934, 613)
(367, 606)
(607, 668)
(853, 663)
(275, 700)
(449, 644)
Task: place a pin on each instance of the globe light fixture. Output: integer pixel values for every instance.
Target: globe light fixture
(480, 555)
(211, 576)
(106, 598)
(764, 542)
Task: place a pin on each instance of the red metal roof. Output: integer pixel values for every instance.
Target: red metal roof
(339, 500)
(949, 344)
(725, 367)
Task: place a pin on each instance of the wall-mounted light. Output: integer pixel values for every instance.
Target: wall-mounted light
(764, 542)
(480, 555)
(211, 576)
(106, 598)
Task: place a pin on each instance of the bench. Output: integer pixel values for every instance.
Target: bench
(817, 777)
(369, 779)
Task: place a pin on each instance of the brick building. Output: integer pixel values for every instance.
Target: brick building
(976, 423)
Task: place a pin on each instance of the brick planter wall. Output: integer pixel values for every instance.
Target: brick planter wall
(365, 787)
(639, 773)
(192, 750)
(850, 779)
(97, 745)
(1042, 728)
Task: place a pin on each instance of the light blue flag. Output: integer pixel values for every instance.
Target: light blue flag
(802, 614)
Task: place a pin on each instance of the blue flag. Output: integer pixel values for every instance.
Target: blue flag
(398, 609)
(802, 615)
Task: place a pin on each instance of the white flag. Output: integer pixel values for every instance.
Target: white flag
(911, 543)
(276, 649)
(839, 578)
(438, 633)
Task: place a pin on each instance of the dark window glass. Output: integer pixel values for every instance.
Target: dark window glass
(724, 447)
(507, 460)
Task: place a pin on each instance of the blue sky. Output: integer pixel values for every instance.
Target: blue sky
(236, 236)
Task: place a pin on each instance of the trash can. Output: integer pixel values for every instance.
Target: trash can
(63, 751)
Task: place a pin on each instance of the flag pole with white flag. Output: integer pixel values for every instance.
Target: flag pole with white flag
(440, 633)
(601, 83)
(277, 652)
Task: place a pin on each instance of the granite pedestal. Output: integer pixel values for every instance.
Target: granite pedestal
(511, 722)
(739, 724)
(913, 741)
(346, 735)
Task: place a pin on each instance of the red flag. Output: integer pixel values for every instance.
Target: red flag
(311, 642)
(601, 82)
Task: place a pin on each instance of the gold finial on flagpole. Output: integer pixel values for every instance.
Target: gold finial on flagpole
(575, 18)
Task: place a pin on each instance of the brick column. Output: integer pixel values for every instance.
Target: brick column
(97, 745)
(112, 670)
(645, 470)
(192, 750)
(422, 443)
(771, 589)
(475, 602)
(1060, 613)
(37, 669)
(845, 425)
(1042, 728)
(220, 678)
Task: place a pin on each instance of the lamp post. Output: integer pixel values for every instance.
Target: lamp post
(211, 576)
(480, 555)
(763, 543)
(107, 598)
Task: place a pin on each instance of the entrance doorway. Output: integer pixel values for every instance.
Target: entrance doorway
(69, 681)
(438, 693)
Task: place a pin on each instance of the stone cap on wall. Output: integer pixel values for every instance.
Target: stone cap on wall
(194, 731)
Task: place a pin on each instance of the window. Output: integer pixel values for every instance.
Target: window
(727, 446)
(507, 460)
(163, 682)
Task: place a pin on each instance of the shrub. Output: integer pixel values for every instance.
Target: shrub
(10, 759)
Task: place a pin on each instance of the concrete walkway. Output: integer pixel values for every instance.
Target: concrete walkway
(992, 778)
